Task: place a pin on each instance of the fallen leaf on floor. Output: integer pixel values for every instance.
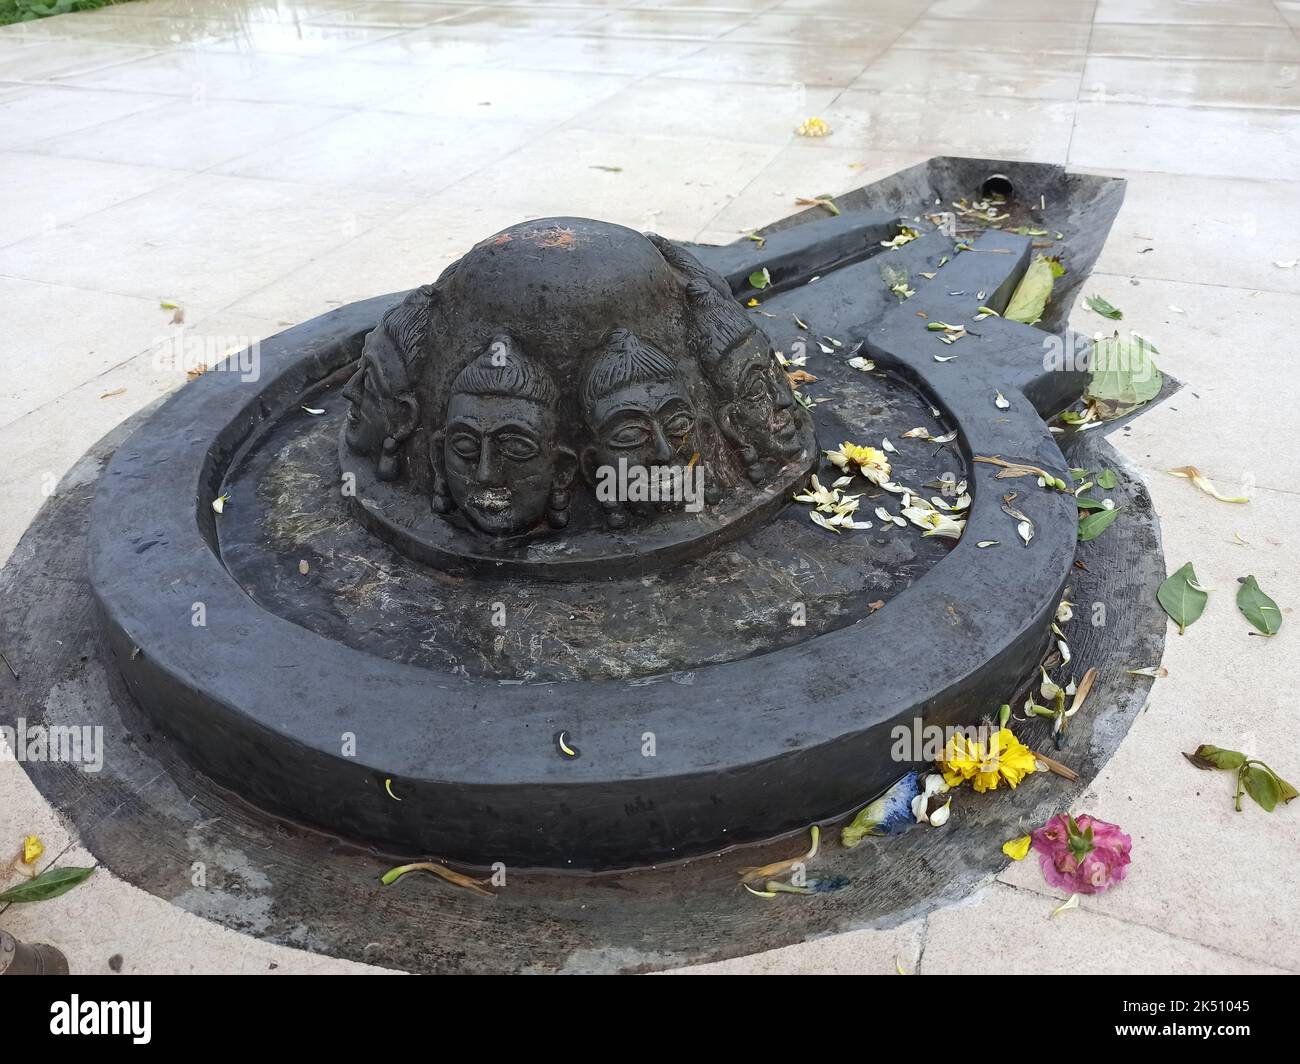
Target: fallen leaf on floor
(1156, 672)
(196, 372)
(313, 410)
(1104, 308)
(219, 503)
(609, 169)
(1254, 777)
(1258, 608)
(1203, 482)
(304, 567)
(777, 868)
(1182, 597)
(49, 884)
(906, 234)
(458, 879)
(1288, 264)
(1123, 376)
(818, 201)
(1024, 526)
(1048, 764)
(1097, 522)
(1012, 470)
(115, 392)
(1032, 293)
(760, 279)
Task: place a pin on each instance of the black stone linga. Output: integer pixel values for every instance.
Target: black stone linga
(502, 425)
(549, 354)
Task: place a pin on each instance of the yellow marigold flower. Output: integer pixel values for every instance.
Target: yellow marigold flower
(961, 760)
(1004, 758)
(32, 849)
(813, 127)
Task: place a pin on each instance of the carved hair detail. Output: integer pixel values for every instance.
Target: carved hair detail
(718, 325)
(624, 359)
(503, 393)
(688, 266)
(393, 346)
(503, 370)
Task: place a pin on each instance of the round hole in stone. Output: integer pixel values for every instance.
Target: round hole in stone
(998, 185)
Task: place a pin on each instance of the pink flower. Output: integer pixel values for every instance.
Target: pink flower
(1082, 854)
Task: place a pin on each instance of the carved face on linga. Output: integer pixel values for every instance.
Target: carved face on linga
(758, 410)
(500, 457)
(636, 409)
(383, 410)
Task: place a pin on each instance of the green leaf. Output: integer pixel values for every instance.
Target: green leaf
(1095, 524)
(1105, 309)
(1106, 479)
(49, 884)
(1124, 375)
(1182, 598)
(1285, 789)
(760, 279)
(1259, 609)
(1031, 294)
(1085, 503)
(1261, 785)
(1208, 756)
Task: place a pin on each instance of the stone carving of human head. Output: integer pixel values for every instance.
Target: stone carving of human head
(384, 411)
(756, 406)
(498, 458)
(636, 412)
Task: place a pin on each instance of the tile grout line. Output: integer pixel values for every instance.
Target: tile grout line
(789, 141)
(1078, 95)
(1247, 289)
(1129, 922)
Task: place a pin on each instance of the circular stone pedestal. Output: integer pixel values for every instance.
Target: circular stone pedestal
(623, 714)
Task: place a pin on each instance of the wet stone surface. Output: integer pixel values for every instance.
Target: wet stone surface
(739, 600)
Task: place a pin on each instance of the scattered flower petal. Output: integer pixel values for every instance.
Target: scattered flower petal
(1017, 849)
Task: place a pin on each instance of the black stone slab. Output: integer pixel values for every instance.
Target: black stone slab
(745, 749)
